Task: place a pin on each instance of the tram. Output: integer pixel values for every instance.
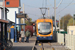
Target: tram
(44, 29)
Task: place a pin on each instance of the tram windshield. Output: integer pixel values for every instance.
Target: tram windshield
(44, 27)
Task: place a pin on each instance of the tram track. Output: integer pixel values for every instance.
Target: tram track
(42, 45)
(48, 46)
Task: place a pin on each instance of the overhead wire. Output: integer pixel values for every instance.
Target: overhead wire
(66, 6)
(45, 5)
(31, 6)
(42, 3)
(32, 14)
(58, 6)
(59, 3)
(37, 7)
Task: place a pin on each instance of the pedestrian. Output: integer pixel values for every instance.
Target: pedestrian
(20, 38)
(22, 35)
(27, 34)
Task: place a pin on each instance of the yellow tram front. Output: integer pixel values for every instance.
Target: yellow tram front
(44, 29)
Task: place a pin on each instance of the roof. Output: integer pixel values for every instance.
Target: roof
(1, 7)
(3, 21)
(12, 3)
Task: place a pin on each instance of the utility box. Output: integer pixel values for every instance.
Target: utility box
(71, 30)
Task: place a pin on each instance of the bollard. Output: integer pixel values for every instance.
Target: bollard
(12, 33)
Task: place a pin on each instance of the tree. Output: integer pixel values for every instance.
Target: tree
(70, 23)
(64, 21)
(28, 21)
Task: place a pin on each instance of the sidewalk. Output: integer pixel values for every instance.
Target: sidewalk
(25, 45)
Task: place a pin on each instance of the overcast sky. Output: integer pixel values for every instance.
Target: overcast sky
(33, 11)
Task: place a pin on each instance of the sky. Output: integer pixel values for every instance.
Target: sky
(33, 11)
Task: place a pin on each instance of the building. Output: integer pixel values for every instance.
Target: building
(2, 13)
(71, 30)
(3, 26)
(12, 5)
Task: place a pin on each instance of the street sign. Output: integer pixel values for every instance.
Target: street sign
(21, 15)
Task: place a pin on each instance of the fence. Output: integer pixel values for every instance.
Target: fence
(69, 40)
(60, 38)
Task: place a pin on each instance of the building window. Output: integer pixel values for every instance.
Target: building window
(7, 3)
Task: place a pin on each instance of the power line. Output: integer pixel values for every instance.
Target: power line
(32, 14)
(59, 3)
(42, 3)
(65, 7)
(31, 6)
(58, 6)
(45, 3)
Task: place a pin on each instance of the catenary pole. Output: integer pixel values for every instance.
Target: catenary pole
(24, 18)
(55, 20)
(55, 13)
(59, 23)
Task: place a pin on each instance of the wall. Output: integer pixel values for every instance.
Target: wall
(71, 30)
(60, 40)
(69, 40)
(0, 14)
(12, 3)
(11, 14)
(1, 3)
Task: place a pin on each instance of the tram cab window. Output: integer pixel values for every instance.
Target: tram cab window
(44, 27)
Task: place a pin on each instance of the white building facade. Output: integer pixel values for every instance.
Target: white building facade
(11, 14)
(12, 5)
